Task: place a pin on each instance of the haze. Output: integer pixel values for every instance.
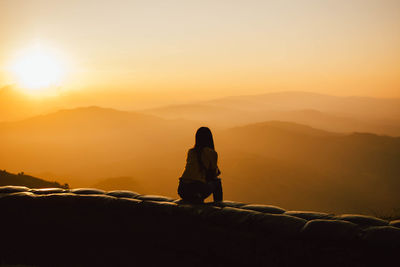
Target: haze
(159, 52)
(303, 97)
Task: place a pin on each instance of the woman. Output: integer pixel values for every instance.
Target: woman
(200, 177)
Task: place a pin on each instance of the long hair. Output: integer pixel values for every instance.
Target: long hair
(204, 139)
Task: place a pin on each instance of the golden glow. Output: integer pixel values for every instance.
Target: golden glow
(206, 49)
(38, 71)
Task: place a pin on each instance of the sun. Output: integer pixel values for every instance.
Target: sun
(38, 71)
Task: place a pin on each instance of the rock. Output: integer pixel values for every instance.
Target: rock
(263, 208)
(123, 193)
(395, 223)
(13, 189)
(362, 220)
(310, 215)
(87, 191)
(383, 235)
(43, 191)
(338, 230)
(155, 198)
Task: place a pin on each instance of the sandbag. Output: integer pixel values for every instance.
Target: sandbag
(310, 215)
(87, 191)
(338, 230)
(383, 235)
(13, 189)
(362, 220)
(229, 216)
(123, 193)
(279, 225)
(159, 207)
(264, 208)
(155, 198)
(44, 191)
(395, 223)
(228, 203)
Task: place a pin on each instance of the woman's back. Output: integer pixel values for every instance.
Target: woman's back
(200, 177)
(193, 170)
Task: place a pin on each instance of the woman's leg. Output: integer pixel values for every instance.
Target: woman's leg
(216, 189)
(191, 191)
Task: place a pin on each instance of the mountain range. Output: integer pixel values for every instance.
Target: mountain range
(292, 165)
(331, 113)
(327, 112)
(22, 179)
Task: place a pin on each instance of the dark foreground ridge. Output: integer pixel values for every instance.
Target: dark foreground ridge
(91, 227)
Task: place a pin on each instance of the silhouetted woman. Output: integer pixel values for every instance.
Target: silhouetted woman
(200, 177)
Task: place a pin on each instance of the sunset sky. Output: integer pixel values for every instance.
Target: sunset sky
(202, 49)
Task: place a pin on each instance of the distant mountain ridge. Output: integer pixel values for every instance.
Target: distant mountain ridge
(327, 112)
(291, 164)
(22, 179)
(294, 100)
(331, 113)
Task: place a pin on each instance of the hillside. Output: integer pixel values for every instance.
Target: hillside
(293, 165)
(367, 107)
(22, 179)
(331, 113)
(288, 163)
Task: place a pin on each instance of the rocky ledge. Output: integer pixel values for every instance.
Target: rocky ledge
(91, 227)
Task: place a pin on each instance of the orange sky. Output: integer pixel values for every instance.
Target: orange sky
(201, 49)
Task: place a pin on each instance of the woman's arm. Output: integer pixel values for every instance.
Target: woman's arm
(210, 159)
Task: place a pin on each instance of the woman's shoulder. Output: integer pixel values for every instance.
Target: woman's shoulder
(210, 151)
(206, 150)
(191, 152)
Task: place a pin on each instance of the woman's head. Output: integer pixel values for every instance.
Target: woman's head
(204, 138)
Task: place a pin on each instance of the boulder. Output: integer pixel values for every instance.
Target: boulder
(263, 208)
(338, 230)
(310, 215)
(123, 193)
(362, 220)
